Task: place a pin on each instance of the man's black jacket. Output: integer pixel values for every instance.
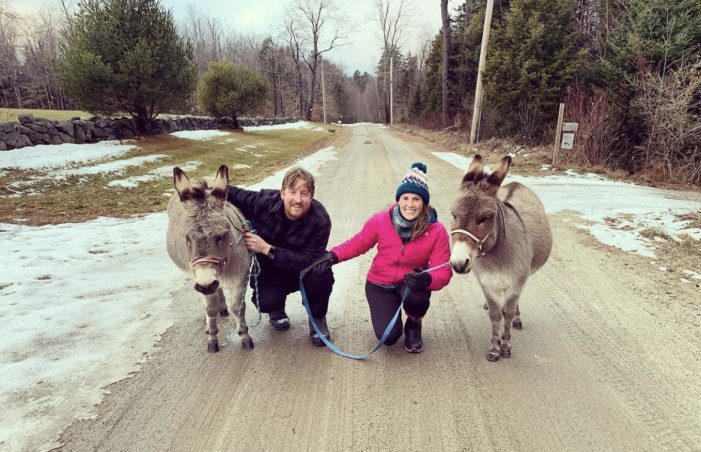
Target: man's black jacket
(297, 243)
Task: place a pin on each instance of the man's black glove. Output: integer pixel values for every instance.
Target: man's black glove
(322, 264)
(417, 279)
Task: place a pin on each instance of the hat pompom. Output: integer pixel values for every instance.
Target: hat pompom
(419, 166)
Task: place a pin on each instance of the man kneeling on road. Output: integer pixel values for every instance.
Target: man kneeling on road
(292, 230)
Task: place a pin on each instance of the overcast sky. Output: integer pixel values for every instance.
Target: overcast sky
(265, 17)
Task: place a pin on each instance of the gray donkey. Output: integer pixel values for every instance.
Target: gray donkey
(203, 240)
(502, 232)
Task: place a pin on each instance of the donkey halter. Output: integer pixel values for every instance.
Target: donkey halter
(479, 242)
(245, 227)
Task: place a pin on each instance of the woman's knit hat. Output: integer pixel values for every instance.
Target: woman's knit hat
(415, 182)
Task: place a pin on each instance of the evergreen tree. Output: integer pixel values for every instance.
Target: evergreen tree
(126, 56)
(656, 35)
(651, 38)
(534, 57)
(231, 90)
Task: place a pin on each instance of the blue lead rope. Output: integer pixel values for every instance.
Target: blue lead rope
(382, 340)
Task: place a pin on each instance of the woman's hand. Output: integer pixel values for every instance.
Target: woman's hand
(322, 264)
(417, 279)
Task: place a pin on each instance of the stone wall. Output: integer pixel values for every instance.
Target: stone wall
(30, 131)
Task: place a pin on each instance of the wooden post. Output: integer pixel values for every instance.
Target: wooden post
(391, 89)
(323, 89)
(558, 133)
(477, 111)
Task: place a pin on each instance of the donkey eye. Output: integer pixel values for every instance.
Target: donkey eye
(220, 238)
(482, 220)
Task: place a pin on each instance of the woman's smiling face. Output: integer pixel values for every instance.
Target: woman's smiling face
(410, 205)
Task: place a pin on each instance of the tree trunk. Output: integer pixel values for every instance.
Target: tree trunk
(446, 63)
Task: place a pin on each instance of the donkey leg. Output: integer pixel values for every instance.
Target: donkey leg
(495, 317)
(509, 310)
(212, 306)
(517, 324)
(238, 307)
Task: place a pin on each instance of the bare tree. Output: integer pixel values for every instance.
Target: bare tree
(392, 17)
(669, 106)
(446, 61)
(9, 59)
(296, 45)
(317, 31)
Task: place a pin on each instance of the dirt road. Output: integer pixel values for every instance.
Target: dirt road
(608, 358)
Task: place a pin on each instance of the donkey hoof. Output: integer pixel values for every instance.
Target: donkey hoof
(505, 353)
(213, 346)
(485, 306)
(247, 344)
(224, 312)
(492, 357)
(517, 325)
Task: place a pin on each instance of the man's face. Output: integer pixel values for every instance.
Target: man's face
(297, 199)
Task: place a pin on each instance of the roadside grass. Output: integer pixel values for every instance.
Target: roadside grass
(529, 160)
(651, 233)
(10, 114)
(38, 198)
(693, 218)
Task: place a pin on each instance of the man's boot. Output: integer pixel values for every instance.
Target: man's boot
(323, 327)
(412, 335)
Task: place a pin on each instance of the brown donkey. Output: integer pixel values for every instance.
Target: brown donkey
(203, 240)
(502, 232)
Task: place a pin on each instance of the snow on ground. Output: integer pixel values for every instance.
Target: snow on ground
(153, 175)
(364, 124)
(200, 134)
(80, 306)
(618, 210)
(289, 125)
(49, 156)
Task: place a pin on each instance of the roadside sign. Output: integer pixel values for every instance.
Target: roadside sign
(570, 126)
(567, 140)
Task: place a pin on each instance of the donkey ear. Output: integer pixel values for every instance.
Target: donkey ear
(182, 184)
(221, 183)
(497, 177)
(475, 170)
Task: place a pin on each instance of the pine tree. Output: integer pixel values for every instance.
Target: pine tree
(231, 90)
(535, 54)
(126, 56)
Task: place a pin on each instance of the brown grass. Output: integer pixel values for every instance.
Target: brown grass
(10, 114)
(84, 198)
(693, 218)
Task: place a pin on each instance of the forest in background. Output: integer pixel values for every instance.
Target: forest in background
(628, 71)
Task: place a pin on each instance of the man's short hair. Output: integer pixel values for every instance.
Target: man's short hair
(296, 173)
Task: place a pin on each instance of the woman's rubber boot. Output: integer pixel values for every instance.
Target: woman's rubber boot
(412, 336)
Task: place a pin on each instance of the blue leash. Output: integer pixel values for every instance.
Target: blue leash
(382, 340)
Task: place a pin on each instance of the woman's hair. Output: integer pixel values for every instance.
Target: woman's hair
(421, 222)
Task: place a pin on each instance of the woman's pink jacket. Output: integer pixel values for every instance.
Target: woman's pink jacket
(395, 259)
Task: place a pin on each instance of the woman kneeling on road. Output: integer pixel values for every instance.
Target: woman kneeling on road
(409, 240)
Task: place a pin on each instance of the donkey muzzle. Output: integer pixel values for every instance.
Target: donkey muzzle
(460, 258)
(207, 289)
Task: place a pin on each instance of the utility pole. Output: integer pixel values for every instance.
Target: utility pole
(477, 112)
(391, 89)
(323, 89)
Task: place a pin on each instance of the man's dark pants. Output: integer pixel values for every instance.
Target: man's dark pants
(275, 284)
